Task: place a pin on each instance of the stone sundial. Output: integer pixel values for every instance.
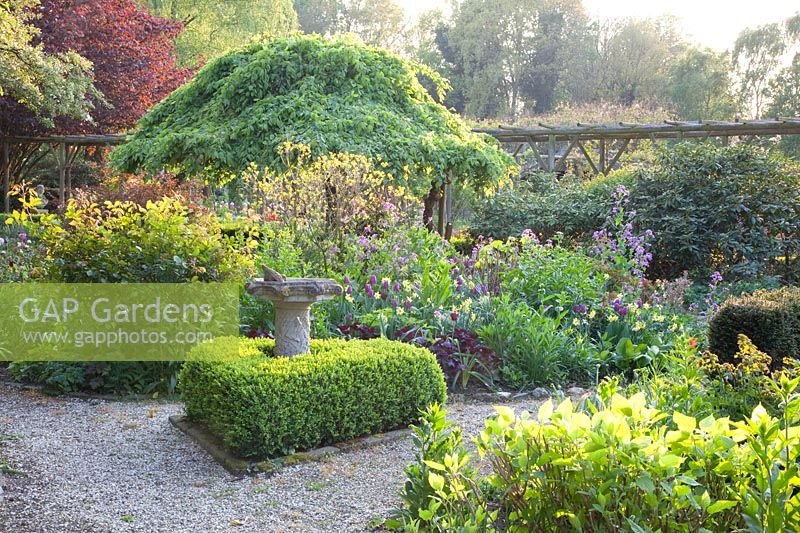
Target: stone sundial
(293, 298)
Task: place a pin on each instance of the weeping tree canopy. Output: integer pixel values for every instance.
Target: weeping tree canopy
(332, 95)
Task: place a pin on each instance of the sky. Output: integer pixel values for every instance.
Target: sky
(712, 23)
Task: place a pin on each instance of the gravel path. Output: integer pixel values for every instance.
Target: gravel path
(103, 466)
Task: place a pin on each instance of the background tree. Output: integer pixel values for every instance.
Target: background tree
(376, 22)
(510, 54)
(699, 86)
(214, 27)
(44, 84)
(133, 61)
(334, 96)
(633, 57)
(132, 53)
(318, 16)
(756, 55)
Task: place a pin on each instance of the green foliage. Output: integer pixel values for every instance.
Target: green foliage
(735, 387)
(756, 54)
(102, 377)
(771, 319)
(376, 22)
(216, 27)
(699, 86)
(732, 209)
(334, 96)
(266, 406)
(161, 242)
(573, 208)
(427, 499)
(123, 242)
(729, 209)
(621, 466)
(533, 347)
(327, 201)
(437, 442)
(509, 53)
(48, 84)
(633, 54)
(784, 91)
(553, 275)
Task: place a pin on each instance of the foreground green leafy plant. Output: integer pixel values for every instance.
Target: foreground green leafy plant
(620, 466)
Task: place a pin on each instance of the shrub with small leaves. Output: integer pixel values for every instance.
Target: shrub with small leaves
(770, 319)
(263, 406)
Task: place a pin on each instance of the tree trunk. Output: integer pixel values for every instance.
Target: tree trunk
(429, 203)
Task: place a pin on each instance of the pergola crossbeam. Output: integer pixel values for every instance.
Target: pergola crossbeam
(544, 138)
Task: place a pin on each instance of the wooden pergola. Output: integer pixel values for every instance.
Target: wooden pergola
(65, 148)
(551, 145)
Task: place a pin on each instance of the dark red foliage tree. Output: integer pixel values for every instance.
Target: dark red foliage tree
(133, 53)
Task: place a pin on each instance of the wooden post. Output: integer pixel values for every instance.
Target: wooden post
(6, 178)
(441, 210)
(62, 166)
(448, 206)
(72, 153)
(602, 163)
(551, 153)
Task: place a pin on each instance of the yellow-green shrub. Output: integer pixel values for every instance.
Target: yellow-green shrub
(264, 406)
(620, 466)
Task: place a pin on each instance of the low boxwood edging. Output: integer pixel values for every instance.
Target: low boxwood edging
(264, 406)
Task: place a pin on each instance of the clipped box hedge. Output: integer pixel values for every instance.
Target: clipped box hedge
(770, 318)
(265, 406)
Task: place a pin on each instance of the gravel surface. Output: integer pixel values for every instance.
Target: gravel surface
(103, 466)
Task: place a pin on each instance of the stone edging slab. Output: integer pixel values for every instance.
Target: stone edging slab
(223, 455)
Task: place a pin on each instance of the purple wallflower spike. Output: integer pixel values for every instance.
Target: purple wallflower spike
(716, 277)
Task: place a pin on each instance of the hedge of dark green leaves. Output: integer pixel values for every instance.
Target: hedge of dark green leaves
(771, 319)
(263, 406)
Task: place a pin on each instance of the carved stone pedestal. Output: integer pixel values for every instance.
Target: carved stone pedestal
(293, 299)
